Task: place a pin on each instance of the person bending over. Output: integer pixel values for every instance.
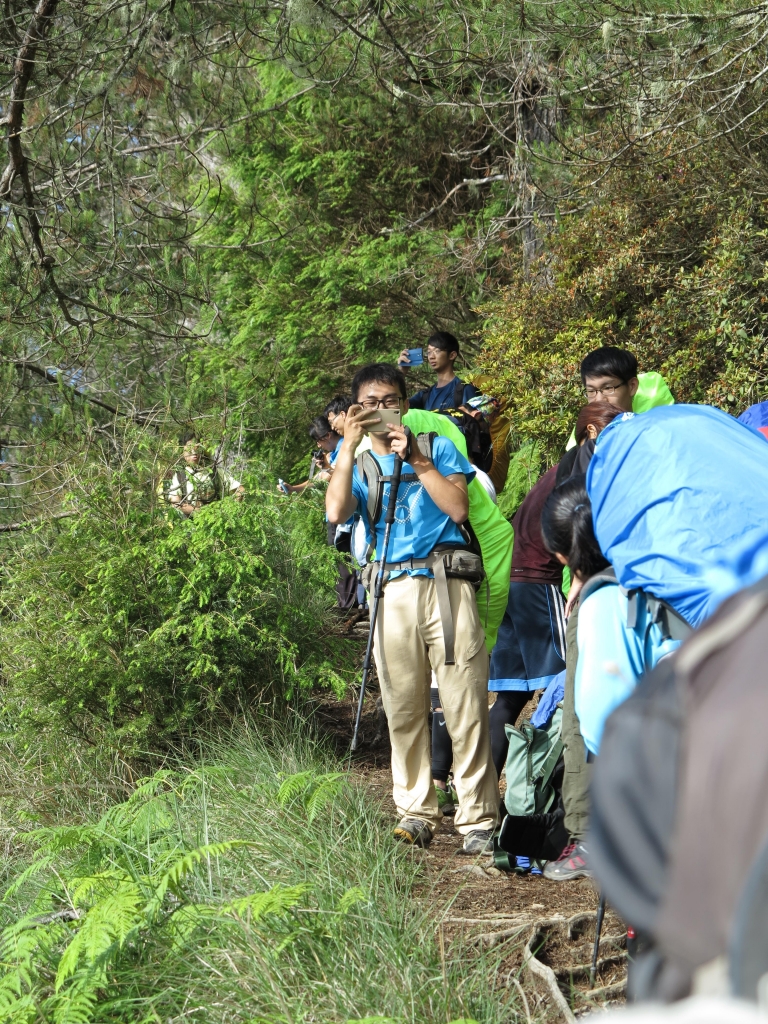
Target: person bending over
(200, 481)
(432, 501)
(450, 391)
(612, 649)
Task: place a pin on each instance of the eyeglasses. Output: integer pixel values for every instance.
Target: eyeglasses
(388, 402)
(325, 437)
(607, 392)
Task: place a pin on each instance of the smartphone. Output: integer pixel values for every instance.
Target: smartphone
(389, 418)
(415, 357)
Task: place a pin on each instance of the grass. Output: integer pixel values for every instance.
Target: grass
(258, 882)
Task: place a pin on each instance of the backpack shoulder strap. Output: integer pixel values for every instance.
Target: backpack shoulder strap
(458, 393)
(370, 474)
(369, 471)
(424, 443)
(600, 579)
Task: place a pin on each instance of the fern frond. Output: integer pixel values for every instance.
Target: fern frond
(275, 901)
(77, 1004)
(34, 869)
(185, 864)
(350, 898)
(294, 786)
(104, 928)
(213, 772)
(326, 788)
(59, 837)
(185, 920)
(21, 1010)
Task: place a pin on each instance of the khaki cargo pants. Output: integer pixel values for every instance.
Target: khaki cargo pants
(409, 639)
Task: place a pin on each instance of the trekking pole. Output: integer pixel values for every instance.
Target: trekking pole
(598, 930)
(378, 587)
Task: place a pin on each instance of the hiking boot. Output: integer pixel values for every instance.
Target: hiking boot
(573, 862)
(414, 831)
(447, 800)
(480, 840)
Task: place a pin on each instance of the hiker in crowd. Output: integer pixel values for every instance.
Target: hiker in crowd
(451, 396)
(336, 414)
(530, 649)
(681, 766)
(499, 428)
(610, 374)
(678, 497)
(422, 617)
(756, 416)
(676, 535)
(615, 643)
(450, 391)
(592, 419)
(200, 481)
(484, 410)
(327, 441)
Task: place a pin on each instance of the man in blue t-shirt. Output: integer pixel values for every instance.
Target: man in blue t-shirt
(410, 635)
(450, 392)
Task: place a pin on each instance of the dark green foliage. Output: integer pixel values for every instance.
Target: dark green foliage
(668, 261)
(134, 623)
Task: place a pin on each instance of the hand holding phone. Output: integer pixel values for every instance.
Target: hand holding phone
(388, 418)
(411, 357)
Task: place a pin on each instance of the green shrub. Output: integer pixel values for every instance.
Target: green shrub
(134, 622)
(666, 262)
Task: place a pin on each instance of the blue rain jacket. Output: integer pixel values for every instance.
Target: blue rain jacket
(680, 505)
(755, 416)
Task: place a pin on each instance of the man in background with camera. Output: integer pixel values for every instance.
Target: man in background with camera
(450, 391)
(327, 441)
(410, 629)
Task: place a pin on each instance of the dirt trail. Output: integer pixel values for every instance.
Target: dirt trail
(478, 901)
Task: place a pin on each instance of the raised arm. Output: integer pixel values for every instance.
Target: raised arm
(340, 502)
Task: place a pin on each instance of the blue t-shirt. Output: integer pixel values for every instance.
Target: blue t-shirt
(612, 657)
(335, 453)
(437, 399)
(419, 524)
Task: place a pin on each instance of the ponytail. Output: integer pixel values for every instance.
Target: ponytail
(567, 528)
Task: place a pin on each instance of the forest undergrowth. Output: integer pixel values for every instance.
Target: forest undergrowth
(254, 881)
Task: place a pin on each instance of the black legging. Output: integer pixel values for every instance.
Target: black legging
(509, 704)
(442, 748)
(506, 710)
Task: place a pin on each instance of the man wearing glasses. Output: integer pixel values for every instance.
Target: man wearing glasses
(609, 374)
(432, 502)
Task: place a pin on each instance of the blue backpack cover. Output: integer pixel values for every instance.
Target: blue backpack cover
(680, 505)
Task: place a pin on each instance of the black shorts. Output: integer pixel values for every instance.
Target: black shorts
(530, 649)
